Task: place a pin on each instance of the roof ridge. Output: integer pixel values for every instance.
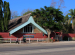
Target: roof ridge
(21, 16)
(18, 21)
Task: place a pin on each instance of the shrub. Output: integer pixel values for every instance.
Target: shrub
(1, 39)
(73, 38)
(65, 38)
(51, 40)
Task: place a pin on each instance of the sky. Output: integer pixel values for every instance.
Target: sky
(20, 5)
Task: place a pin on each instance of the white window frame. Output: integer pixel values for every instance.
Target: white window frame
(27, 29)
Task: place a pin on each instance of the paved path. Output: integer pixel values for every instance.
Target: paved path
(58, 48)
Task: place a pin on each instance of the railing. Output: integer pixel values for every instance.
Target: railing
(20, 40)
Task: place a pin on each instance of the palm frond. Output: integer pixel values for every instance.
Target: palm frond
(71, 11)
(69, 21)
(74, 11)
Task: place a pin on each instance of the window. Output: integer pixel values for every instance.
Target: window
(28, 29)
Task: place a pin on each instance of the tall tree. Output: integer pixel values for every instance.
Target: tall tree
(67, 26)
(5, 15)
(72, 18)
(49, 18)
(1, 16)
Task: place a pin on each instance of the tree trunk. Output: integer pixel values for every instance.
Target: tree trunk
(49, 32)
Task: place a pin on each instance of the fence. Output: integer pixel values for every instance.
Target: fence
(28, 40)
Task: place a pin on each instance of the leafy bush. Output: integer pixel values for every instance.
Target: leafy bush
(65, 38)
(73, 38)
(51, 40)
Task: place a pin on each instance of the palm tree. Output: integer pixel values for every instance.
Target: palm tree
(72, 18)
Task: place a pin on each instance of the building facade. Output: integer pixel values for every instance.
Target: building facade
(24, 25)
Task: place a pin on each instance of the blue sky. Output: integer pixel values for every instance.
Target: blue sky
(20, 5)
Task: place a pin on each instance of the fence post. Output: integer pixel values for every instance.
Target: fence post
(37, 40)
(29, 40)
(20, 40)
(10, 40)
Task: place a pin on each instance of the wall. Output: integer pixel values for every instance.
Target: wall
(20, 35)
(4, 34)
(36, 35)
(36, 30)
(20, 31)
(69, 35)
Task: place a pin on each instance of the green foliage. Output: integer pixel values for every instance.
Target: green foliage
(73, 38)
(48, 17)
(4, 16)
(51, 40)
(66, 20)
(67, 26)
(58, 26)
(72, 17)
